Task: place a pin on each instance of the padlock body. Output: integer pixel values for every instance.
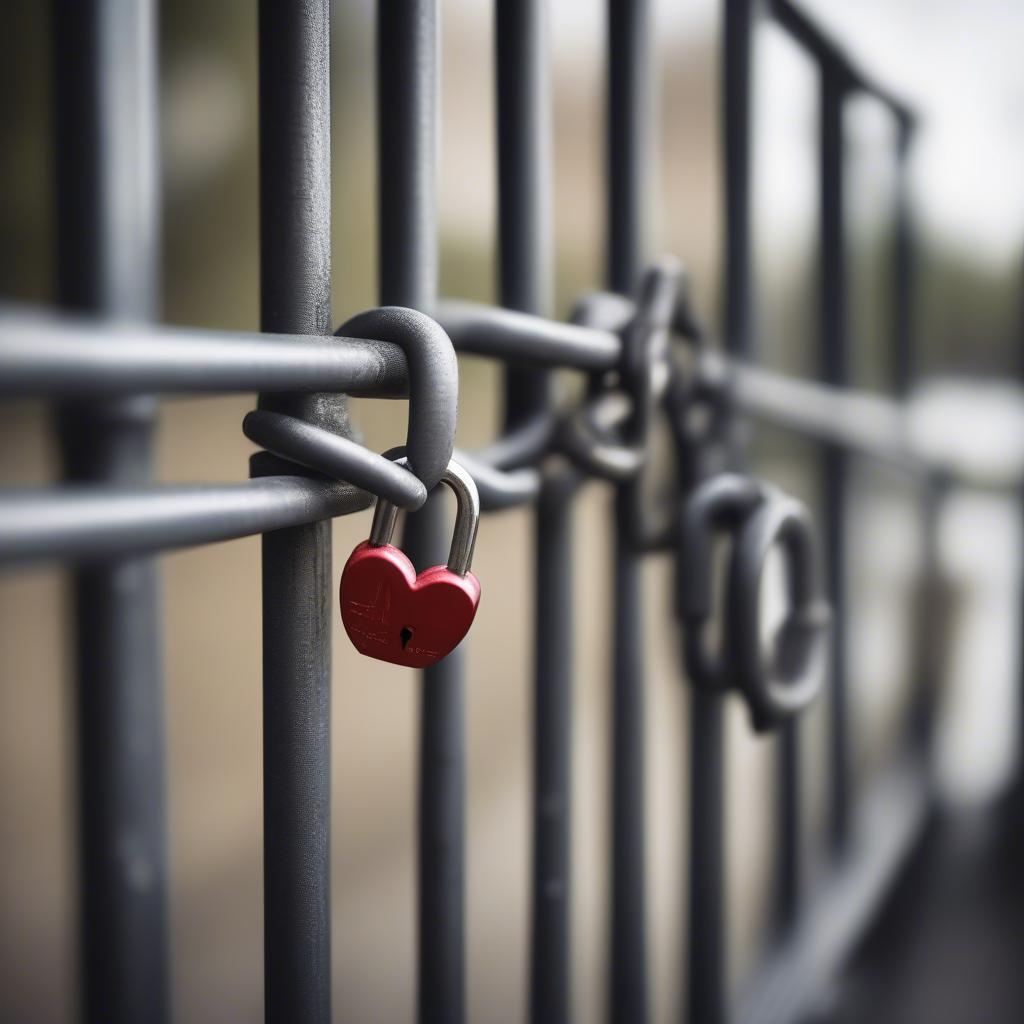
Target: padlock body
(393, 614)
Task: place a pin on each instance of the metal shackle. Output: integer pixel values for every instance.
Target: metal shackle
(467, 517)
(783, 680)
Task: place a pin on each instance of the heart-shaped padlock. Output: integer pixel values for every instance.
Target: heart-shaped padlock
(393, 614)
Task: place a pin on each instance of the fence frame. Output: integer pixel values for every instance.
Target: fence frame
(104, 361)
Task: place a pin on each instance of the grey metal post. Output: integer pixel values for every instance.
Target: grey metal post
(407, 69)
(524, 236)
(298, 597)
(105, 59)
(628, 162)
(834, 356)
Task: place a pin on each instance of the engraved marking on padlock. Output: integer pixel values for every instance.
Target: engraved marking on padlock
(375, 610)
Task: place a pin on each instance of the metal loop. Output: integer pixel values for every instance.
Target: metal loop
(337, 457)
(467, 519)
(757, 517)
(588, 435)
(500, 488)
(504, 470)
(644, 368)
(583, 436)
(433, 382)
(524, 445)
(782, 681)
(719, 504)
(433, 412)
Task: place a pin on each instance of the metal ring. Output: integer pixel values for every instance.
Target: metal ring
(782, 681)
(505, 470)
(467, 519)
(645, 344)
(524, 445)
(588, 446)
(586, 436)
(721, 503)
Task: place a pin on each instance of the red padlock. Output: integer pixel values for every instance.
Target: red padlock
(393, 614)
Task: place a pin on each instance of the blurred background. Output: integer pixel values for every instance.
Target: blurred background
(956, 62)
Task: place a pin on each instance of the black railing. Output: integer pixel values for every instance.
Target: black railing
(643, 354)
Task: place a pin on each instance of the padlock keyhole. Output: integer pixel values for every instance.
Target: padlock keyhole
(405, 636)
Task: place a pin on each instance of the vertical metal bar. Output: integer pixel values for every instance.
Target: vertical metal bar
(524, 177)
(627, 159)
(442, 798)
(628, 955)
(707, 967)
(925, 653)
(1019, 788)
(835, 371)
(738, 279)
(904, 350)
(295, 276)
(524, 182)
(789, 823)
(627, 141)
(550, 988)
(407, 83)
(707, 938)
(905, 367)
(105, 59)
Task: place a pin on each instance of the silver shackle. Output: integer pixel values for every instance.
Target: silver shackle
(467, 518)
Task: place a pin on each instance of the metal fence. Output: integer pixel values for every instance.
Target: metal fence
(643, 354)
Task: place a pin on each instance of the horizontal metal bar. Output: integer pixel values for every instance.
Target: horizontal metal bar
(855, 420)
(47, 355)
(43, 354)
(800, 971)
(92, 523)
(821, 45)
(517, 337)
